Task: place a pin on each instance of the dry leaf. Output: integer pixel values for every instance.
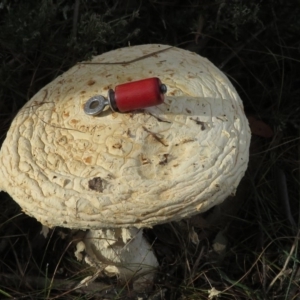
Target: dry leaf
(213, 293)
(260, 128)
(44, 231)
(194, 236)
(80, 247)
(220, 243)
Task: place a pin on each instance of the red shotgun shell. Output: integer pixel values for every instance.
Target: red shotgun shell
(137, 95)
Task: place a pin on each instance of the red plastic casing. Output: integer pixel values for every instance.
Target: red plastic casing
(138, 94)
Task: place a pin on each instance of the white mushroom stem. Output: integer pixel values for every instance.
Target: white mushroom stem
(124, 253)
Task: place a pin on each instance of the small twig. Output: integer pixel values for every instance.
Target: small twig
(254, 264)
(75, 20)
(56, 268)
(4, 241)
(155, 136)
(200, 25)
(264, 273)
(46, 123)
(86, 281)
(236, 51)
(295, 285)
(59, 284)
(196, 264)
(158, 119)
(277, 146)
(19, 265)
(222, 4)
(282, 271)
(298, 164)
(128, 61)
(284, 196)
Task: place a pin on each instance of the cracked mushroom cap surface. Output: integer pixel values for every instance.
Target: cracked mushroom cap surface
(142, 168)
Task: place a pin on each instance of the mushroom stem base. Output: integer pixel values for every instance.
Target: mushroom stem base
(122, 252)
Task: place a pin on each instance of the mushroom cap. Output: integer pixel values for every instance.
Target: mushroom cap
(142, 168)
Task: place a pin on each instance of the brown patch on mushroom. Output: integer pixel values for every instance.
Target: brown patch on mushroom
(117, 146)
(144, 160)
(66, 114)
(73, 121)
(82, 92)
(222, 118)
(62, 140)
(91, 82)
(96, 184)
(88, 159)
(36, 103)
(165, 159)
(45, 96)
(66, 181)
(188, 111)
(198, 122)
(128, 133)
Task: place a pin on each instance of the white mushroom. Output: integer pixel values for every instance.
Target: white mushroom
(137, 169)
